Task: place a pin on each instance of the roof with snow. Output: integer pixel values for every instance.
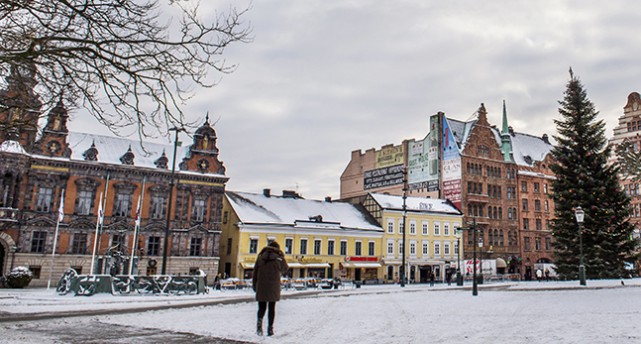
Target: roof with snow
(526, 149)
(416, 204)
(110, 149)
(260, 209)
(12, 147)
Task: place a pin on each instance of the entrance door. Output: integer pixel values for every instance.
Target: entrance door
(357, 274)
(424, 272)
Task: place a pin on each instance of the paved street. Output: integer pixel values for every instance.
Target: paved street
(73, 330)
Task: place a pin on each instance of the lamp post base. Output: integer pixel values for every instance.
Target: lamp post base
(582, 275)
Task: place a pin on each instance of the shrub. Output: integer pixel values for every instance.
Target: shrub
(19, 277)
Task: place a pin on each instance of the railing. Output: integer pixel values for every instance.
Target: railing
(87, 285)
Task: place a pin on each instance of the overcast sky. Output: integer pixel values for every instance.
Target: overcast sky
(325, 77)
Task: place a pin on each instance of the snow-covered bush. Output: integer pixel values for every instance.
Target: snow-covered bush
(19, 277)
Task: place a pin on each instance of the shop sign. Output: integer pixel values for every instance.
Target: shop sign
(361, 259)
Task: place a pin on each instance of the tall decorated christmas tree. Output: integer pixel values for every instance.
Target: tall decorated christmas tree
(584, 179)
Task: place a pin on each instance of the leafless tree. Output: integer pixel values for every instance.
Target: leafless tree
(130, 63)
(629, 160)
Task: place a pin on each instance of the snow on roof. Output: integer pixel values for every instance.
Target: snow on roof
(12, 147)
(258, 208)
(461, 130)
(524, 146)
(110, 149)
(420, 204)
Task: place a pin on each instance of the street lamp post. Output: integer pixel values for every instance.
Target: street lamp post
(475, 290)
(404, 226)
(169, 201)
(459, 277)
(580, 215)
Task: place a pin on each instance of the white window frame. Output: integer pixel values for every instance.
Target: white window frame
(426, 227)
(390, 247)
(425, 249)
(413, 248)
(437, 228)
(390, 225)
(446, 229)
(437, 249)
(412, 227)
(446, 249)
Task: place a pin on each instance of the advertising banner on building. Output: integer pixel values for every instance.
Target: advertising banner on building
(423, 160)
(390, 156)
(383, 177)
(452, 172)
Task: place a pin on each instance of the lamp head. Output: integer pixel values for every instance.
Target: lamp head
(580, 214)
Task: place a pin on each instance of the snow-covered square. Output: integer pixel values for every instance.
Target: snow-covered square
(524, 312)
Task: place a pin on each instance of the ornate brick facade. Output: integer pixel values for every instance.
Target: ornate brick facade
(88, 169)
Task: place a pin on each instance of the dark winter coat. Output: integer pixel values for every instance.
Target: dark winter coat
(269, 267)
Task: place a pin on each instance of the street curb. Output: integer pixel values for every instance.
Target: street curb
(13, 317)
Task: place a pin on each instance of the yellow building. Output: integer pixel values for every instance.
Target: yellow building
(432, 241)
(321, 239)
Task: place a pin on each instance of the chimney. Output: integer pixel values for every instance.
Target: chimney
(545, 138)
(290, 194)
(266, 192)
(328, 199)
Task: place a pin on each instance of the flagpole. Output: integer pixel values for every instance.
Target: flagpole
(95, 240)
(104, 209)
(137, 227)
(61, 214)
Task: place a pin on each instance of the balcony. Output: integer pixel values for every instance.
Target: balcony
(477, 198)
(8, 214)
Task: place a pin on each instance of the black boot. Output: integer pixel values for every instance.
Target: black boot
(259, 327)
(270, 330)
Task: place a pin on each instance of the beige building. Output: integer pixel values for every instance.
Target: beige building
(321, 239)
(431, 241)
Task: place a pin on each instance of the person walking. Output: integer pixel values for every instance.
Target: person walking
(269, 267)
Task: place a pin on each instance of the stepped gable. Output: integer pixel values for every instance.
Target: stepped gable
(202, 155)
(523, 149)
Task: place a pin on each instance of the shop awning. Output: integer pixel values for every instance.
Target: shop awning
(308, 265)
(500, 263)
(316, 265)
(246, 265)
(362, 265)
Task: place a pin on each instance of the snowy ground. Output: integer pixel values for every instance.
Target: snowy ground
(532, 312)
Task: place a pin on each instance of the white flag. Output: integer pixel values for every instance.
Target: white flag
(138, 211)
(101, 213)
(61, 209)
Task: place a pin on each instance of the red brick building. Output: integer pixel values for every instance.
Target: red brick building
(480, 169)
(37, 169)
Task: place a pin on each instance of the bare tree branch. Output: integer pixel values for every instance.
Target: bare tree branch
(116, 58)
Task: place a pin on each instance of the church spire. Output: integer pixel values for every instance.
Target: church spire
(506, 143)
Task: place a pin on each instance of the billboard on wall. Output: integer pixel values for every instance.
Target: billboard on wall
(452, 172)
(390, 156)
(388, 168)
(423, 169)
(382, 177)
